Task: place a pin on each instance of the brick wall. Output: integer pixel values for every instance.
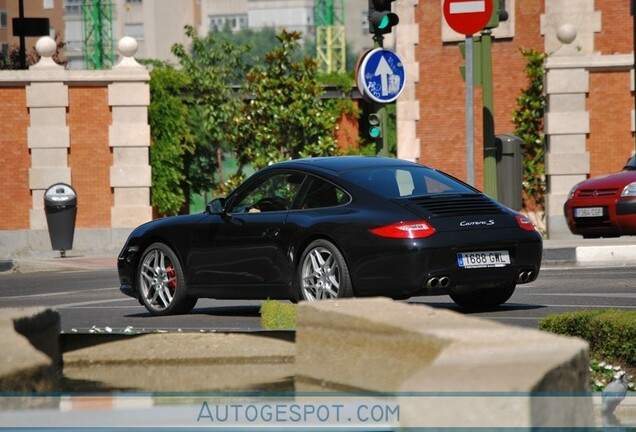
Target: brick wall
(610, 141)
(90, 155)
(14, 175)
(616, 35)
(441, 90)
(610, 100)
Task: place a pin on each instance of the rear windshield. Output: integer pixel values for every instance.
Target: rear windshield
(399, 182)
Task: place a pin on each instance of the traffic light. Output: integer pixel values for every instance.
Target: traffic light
(375, 129)
(381, 19)
(499, 13)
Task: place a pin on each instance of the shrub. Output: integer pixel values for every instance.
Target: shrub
(610, 333)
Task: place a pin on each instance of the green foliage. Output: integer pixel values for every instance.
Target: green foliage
(528, 121)
(343, 81)
(610, 333)
(213, 65)
(172, 139)
(285, 117)
(278, 316)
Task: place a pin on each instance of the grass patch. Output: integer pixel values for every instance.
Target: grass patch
(276, 315)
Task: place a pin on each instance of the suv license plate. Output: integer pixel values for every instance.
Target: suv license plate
(588, 212)
(483, 259)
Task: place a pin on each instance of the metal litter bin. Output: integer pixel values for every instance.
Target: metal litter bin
(60, 207)
(509, 170)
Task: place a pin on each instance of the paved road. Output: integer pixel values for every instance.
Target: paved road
(89, 300)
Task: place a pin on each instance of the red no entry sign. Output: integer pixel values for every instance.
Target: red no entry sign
(467, 16)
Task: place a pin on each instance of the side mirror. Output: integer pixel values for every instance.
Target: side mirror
(216, 206)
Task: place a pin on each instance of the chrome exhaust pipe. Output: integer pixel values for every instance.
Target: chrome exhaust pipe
(432, 282)
(531, 275)
(524, 276)
(438, 282)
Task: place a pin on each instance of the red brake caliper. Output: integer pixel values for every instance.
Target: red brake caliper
(172, 277)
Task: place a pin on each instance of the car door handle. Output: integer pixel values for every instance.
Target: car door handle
(270, 233)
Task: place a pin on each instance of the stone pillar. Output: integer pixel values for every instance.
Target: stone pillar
(407, 105)
(129, 137)
(48, 135)
(569, 27)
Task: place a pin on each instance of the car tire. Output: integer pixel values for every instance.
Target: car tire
(323, 273)
(161, 282)
(483, 299)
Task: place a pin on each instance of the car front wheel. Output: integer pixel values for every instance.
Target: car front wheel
(323, 273)
(161, 282)
(483, 299)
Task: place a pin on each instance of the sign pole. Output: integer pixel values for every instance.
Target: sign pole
(381, 143)
(470, 112)
(22, 34)
(468, 17)
(490, 149)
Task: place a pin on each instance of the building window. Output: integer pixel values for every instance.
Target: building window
(48, 4)
(134, 1)
(135, 30)
(4, 49)
(73, 7)
(3, 19)
(232, 22)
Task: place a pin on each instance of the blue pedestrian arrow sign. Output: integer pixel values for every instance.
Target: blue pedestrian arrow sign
(381, 76)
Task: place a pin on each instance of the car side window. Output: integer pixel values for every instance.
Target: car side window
(272, 193)
(322, 194)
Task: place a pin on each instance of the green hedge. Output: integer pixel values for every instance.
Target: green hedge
(610, 333)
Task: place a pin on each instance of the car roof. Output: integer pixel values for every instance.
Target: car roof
(338, 164)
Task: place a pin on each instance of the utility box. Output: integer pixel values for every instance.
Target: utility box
(509, 170)
(60, 207)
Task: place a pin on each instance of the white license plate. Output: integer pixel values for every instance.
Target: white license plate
(588, 212)
(483, 259)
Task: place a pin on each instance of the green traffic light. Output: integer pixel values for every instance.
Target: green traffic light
(384, 23)
(374, 132)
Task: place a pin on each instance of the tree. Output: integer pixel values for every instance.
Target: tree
(528, 121)
(12, 59)
(172, 140)
(285, 117)
(213, 66)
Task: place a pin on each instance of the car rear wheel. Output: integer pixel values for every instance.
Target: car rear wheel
(323, 273)
(161, 282)
(481, 299)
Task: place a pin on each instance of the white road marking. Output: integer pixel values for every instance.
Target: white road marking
(63, 293)
(90, 303)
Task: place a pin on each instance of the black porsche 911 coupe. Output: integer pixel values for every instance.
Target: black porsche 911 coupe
(322, 228)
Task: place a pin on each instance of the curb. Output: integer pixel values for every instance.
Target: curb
(590, 256)
(580, 254)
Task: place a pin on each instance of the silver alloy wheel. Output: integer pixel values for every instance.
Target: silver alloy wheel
(320, 275)
(157, 279)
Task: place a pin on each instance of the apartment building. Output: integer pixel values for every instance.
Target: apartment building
(9, 9)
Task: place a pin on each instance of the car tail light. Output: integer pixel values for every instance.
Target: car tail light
(405, 230)
(525, 223)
